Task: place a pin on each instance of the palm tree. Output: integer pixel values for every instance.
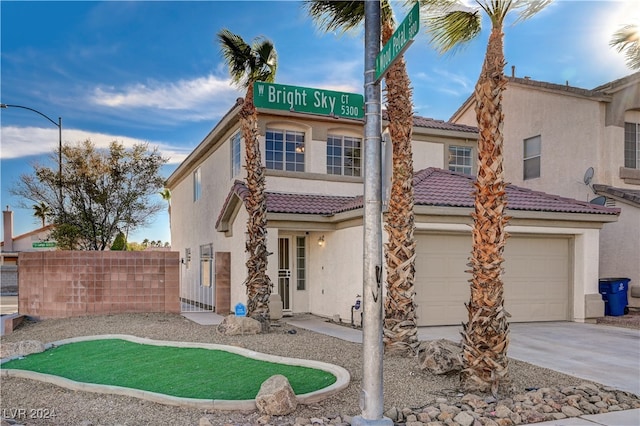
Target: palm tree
(627, 40)
(485, 337)
(248, 64)
(42, 211)
(400, 323)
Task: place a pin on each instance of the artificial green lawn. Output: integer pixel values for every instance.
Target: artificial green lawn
(183, 372)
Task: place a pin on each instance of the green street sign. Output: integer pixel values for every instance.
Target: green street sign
(399, 42)
(43, 244)
(308, 100)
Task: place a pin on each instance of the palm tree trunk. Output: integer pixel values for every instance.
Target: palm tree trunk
(258, 282)
(400, 323)
(486, 335)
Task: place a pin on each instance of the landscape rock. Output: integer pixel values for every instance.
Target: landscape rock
(204, 422)
(464, 419)
(232, 325)
(440, 356)
(276, 397)
(22, 348)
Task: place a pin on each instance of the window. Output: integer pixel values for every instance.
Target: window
(285, 150)
(235, 154)
(632, 145)
(301, 263)
(532, 151)
(197, 184)
(344, 155)
(206, 265)
(460, 159)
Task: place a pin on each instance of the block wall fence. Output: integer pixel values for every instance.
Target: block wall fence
(62, 284)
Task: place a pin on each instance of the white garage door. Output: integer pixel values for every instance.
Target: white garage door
(536, 278)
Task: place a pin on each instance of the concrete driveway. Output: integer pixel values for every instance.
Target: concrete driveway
(601, 353)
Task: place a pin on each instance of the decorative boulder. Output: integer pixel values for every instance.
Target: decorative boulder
(232, 325)
(440, 356)
(22, 348)
(276, 397)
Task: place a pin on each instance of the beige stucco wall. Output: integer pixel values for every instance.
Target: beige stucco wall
(427, 154)
(619, 246)
(335, 272)
(570, 141)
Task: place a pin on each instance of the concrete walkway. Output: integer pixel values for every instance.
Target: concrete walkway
(600, 353)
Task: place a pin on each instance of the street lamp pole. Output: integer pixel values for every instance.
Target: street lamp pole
(59, 126)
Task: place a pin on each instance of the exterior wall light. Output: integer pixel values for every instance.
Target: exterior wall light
(321, 241)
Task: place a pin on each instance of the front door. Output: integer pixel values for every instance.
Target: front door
(284, 272)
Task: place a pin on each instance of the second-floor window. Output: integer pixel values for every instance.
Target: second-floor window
(284, 150)
(532, 154)
(460, 159)
(197, 184)
(632, 145)
(344, 155)
(235, 154)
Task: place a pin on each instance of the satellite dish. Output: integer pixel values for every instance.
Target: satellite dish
(588, 176)
(600, 201)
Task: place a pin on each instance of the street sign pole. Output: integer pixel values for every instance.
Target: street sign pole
(372, 396)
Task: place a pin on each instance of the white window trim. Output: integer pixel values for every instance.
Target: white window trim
(531, 157)
(197, 184)
(344, 167)
(471, 155)
(284, 150)
(236, 167)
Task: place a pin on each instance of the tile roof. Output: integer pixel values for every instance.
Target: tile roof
(437, 187)
(631, 195)
(432, 187)
(430, 123)
(326, 205)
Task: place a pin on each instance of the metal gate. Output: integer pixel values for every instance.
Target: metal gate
(197, 286)
(284, 273)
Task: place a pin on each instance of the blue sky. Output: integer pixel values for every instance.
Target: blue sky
(146, 71)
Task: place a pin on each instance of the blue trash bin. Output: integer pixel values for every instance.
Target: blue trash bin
(614, 293)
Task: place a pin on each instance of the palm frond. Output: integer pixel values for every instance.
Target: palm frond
(266, 60)
(627, 40)
(341, 16)
(331, 16)
(246, 63)
(528, 8)
(451, 29)
(237, 54)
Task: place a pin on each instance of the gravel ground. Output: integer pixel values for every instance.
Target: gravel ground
(405, 385)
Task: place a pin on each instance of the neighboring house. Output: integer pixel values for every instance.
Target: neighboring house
(583, 144)
(36, 240)
(314, 183)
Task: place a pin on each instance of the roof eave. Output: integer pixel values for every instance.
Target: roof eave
(212, 138)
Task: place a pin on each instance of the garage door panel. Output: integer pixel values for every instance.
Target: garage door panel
(536, 278)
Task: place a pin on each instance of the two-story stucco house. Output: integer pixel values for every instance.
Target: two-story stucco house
(583, 144)
(314, 183)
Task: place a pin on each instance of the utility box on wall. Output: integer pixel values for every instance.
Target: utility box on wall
(593, 306)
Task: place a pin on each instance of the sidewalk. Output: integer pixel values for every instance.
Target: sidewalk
(600, 353)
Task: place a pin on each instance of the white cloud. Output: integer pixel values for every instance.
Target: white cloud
(180, 95)
(19, 142)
